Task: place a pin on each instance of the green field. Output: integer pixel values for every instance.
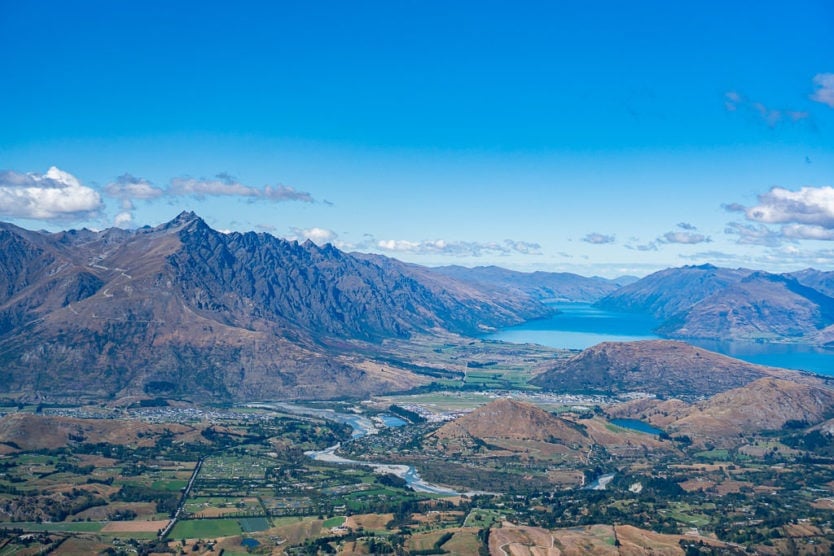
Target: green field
(714, 455)
(483, 518)
(253, 524)
(173, 485)
(206, 528)
(74, 526)
(334, 522)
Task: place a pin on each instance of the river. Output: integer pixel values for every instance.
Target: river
(581, 325)
(362, 426)
(405, 472)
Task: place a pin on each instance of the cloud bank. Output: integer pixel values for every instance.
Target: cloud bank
(459, 248)
(442, 247)
(809, 205)
(128, 188)
(56, 195)
(805, 214)
(225, 184)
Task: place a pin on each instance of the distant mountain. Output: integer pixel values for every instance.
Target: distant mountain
(760, 306)
(556, 286)
(662, 367)
(671, 291)
(185, 310)
(732, 304)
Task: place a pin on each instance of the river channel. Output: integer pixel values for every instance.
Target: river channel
(362, 426)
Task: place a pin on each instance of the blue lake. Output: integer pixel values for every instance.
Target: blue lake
(636, 425)
(392, 422)
(579, 326)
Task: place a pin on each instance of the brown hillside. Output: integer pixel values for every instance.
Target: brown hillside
(35, 432)
(506, 428)
(660, 413)
(520, 540)
(510, 419)
(765, 404)
(663, 367)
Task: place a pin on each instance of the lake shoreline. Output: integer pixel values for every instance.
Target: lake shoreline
(578, 326)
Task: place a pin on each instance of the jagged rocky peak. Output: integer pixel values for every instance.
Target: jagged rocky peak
(182, 220)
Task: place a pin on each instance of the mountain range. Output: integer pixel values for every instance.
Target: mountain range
(184, 310)
(548, 286)
(187, 311)
(709, 302)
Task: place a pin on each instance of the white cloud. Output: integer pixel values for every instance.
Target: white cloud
(285, 193)
(809, 205)
(123, 219)
(404, 245)
(523, 247)
(751, 234)
(598, 239)
(54, 195)
(459, 248)
(734, 207)
(127, 186)
(226, 185)
(825, 89)
(806, 214)
(684, 237)
(805, 231)
(319, 236)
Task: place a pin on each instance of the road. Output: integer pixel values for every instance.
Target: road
(183, 498)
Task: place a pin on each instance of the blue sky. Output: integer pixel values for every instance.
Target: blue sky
(594, 137)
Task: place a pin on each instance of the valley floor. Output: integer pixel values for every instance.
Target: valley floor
(94, 479)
